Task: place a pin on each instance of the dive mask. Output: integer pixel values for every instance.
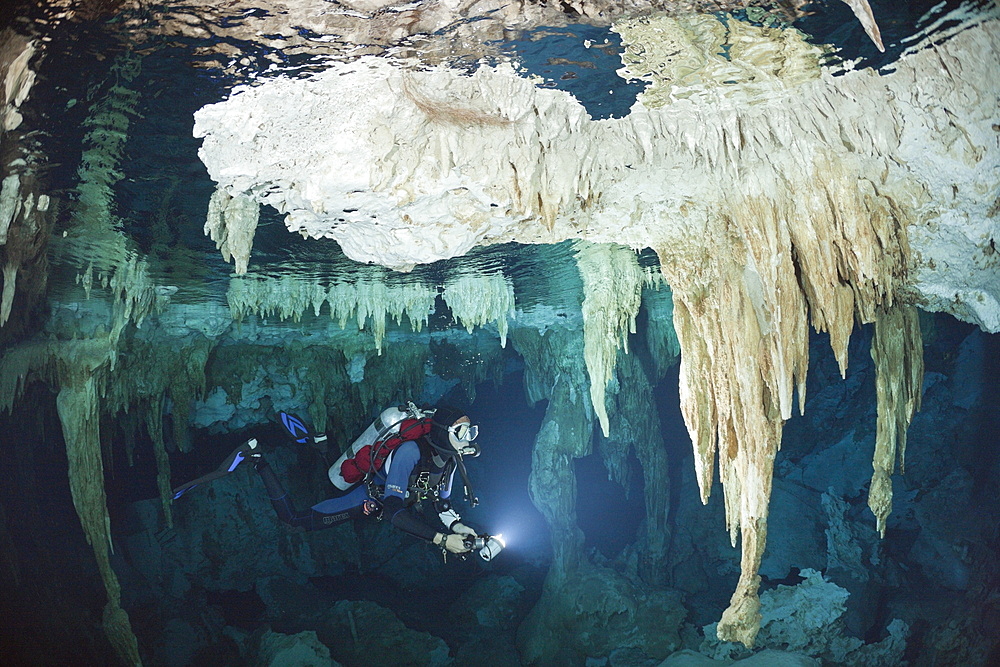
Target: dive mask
(462, 436)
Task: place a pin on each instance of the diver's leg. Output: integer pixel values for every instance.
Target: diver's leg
(248, 450)
(353, 505)
(280, 501)
(326, 514)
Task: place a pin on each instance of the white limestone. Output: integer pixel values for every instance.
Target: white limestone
(18, 78)
(404, 167)
(478, 299)
(612, 294)
(371, 303)
(231, 223)
(10, 203)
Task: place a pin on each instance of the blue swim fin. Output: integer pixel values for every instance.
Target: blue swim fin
(231, 463)
(295, 427)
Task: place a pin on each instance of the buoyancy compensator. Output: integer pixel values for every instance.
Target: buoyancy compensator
(368, 453)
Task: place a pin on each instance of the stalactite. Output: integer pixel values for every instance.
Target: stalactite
(366, 301)
(134, 296)
(78, 404)
(154, 426)
(661, 339)
(475, 300)
(94, 235)
(553, 371)
(635, 424)
(10, 203)
(16, 52)
(23, 207)
(743, 329)
(683, 56)
(726, 393)
(24, 242)
(897, 351)
(565, 434)
(9, 285)
(79, 369)
(863, 11)
(186, 384)
(232, 222)
(612, 294)
(21, 364)
(377, 300)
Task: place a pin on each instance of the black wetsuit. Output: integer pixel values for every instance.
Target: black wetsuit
(407, 464)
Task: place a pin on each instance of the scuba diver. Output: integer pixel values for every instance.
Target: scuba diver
(408, 455)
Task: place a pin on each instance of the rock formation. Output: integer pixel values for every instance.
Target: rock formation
(776, 192)
(810, 190)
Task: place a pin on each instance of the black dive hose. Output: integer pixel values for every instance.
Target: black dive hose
(460, 464)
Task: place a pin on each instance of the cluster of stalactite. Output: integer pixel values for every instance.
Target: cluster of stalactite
(742, 319)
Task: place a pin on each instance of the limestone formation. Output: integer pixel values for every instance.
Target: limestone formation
(231, 223)
(397, 186)
(776, 194)
(475, 300)
(17, 75)
(899, 375)
(24, 208)
(81, 371)
(370, 303)
(553, 371)
(808, 619)
(866, 17)
(612, 294)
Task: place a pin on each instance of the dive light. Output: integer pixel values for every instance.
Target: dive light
(488, 546)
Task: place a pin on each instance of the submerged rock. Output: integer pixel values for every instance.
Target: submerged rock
(595, 612)
(300, 650)
(364, 634)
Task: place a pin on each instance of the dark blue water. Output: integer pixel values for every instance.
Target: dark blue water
(562, 58)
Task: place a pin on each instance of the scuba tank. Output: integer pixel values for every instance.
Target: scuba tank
(387, 424)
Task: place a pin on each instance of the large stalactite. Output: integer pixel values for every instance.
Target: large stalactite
(899, 375)
(25, 208)
(79, 371)
(554, 372)
(78, 402)
(612, 293)
(743, 328)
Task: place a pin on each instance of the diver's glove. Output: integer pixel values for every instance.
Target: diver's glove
(451, 519)
(454, 543)
(462, 529)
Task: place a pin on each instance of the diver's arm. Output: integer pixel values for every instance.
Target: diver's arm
(451, 519)
(406, 519)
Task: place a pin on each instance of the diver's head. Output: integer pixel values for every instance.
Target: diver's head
(451, 429)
